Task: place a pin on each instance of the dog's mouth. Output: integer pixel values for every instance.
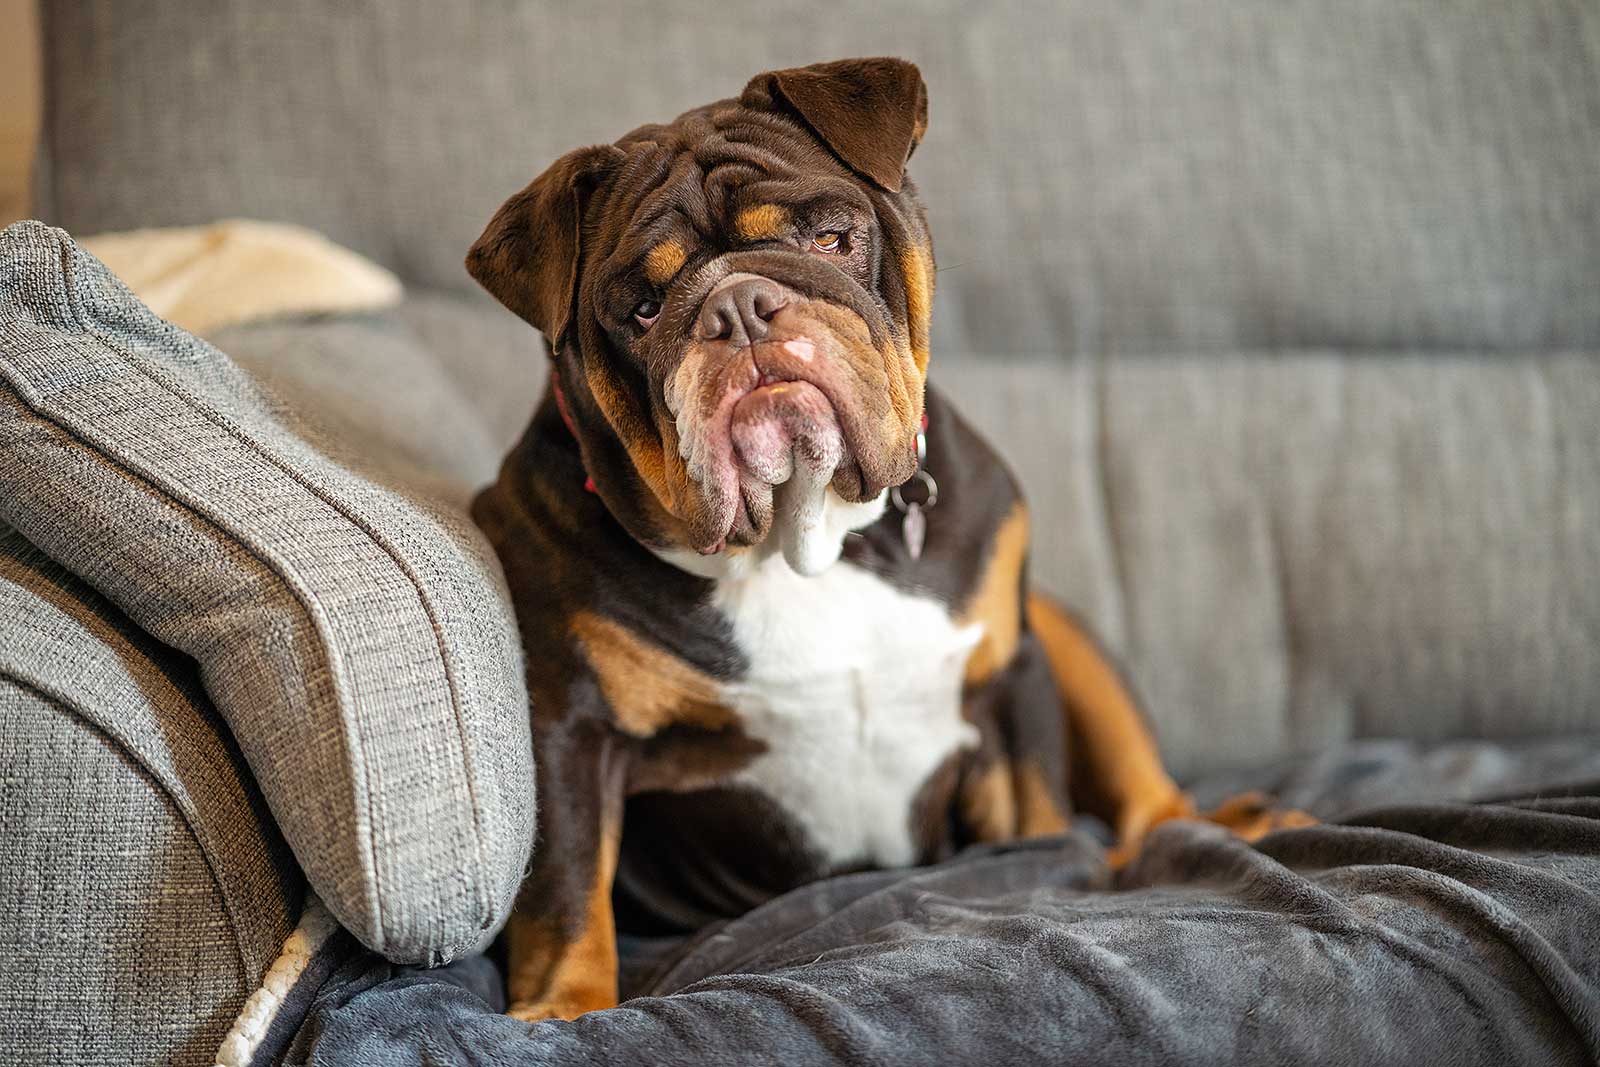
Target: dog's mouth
(787, 446)
(767, 431)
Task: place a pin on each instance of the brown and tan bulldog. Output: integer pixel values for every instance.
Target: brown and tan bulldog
(773, 588)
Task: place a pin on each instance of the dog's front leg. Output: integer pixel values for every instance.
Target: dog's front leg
(1015, 782)
(1118, 772)
(561, 940)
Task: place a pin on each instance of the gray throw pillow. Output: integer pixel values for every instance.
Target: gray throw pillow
(360, 646)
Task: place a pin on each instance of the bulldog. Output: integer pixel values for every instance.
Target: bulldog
(772, 587)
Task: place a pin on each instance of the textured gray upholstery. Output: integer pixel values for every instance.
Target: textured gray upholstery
(1296, 548)
(138, 859)
(496, 361)
(1101, 174)
(370, 390)
(350, 638)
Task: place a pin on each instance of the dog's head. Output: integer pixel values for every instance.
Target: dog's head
(737, 304)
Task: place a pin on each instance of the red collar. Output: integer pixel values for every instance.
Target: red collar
(566, 417)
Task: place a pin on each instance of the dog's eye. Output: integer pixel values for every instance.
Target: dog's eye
(646, 312)
(828, 241)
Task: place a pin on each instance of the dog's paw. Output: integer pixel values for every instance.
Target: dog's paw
(534, 1011)
(1252, 816)
(530, 1011)
(1140, 817)
(1248, 816)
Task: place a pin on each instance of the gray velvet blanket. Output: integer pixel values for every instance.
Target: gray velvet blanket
(1424, 932)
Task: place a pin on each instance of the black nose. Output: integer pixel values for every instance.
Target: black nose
(739, 309)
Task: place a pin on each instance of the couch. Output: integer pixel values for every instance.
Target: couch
(1287, 315)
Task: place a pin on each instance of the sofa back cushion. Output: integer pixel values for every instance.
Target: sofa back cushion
(1292, 549)
(1099, 174)
(359, 644)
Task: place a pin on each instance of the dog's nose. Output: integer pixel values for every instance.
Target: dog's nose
(739, 309)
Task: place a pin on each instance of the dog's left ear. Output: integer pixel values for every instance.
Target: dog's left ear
(871, 112)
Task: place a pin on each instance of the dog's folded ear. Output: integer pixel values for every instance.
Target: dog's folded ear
(871, 112)
(527, 256)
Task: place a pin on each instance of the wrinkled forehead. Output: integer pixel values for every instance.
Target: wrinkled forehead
(716, 179)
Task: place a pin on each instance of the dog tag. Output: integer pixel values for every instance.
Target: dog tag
(914, 528)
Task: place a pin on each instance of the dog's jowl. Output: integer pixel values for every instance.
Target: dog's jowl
(772, 586)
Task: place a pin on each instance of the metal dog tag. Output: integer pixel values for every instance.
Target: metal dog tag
(914, 528)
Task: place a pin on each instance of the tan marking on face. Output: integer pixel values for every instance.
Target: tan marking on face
(611, 401)
(1038, 814)
(664, 261)
(889, 374)
(988, 804)
(647, 687)
(762, 222)
(644, 447)
(997, 602)
(1125, 775)
(917, 270)
(548, 978)
(685, 462)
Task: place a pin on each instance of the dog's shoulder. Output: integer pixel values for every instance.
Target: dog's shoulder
(597, 612)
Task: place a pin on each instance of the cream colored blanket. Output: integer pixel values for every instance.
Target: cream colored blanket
(205, 277)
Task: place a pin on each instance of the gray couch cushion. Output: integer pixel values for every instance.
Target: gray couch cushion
(495, 358)
(360, 648)
(1100, 174)
(145, 890)
(1296, 548)
(369, 390)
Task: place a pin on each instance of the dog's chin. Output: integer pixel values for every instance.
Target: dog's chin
(786, 448)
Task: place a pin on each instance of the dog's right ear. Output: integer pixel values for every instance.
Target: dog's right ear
(870, 112)
(527, 256)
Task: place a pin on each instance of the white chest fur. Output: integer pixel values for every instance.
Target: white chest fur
(855, 687)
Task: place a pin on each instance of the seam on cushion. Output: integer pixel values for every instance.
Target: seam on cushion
(68, 707)
(1108, 521)
(446, 659)
(1291, 737)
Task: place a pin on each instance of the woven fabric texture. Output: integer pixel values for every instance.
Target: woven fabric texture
(414, 429)
(145, 889)
(1293, 549)
(359, 646)
(1100, 174)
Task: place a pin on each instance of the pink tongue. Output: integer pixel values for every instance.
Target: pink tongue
(778, 427)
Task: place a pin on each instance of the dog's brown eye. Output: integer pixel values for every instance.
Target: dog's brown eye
(828, 241)
(646, 313)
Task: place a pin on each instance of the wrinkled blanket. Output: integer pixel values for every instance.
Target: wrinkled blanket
(1423, 932)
